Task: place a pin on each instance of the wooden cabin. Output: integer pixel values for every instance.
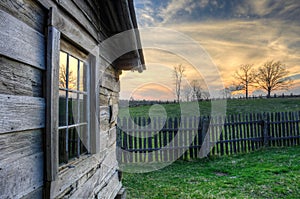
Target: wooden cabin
(60, 62)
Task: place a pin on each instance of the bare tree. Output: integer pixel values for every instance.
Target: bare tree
(178, 73)
(273, 76)
(187, 90)
(72, 80)
(197, 89)
(245, 76)
(226, 92)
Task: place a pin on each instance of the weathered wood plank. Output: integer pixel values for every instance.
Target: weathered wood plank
(19, 79)
(28, 11)
(21, 42)
(72, 177)
(92, 13)
(21, 177)
(72, 30)
(111, 190)
(38, 193)
(14, 146)
(51, 88)
(70, 7)
(19, 113)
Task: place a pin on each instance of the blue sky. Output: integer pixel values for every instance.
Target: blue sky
(232, 32)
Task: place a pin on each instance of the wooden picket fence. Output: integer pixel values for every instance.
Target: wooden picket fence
(158, 140)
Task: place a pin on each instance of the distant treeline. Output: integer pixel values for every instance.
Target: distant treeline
(134, 103)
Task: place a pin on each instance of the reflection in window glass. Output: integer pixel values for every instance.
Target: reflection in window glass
(82, 108)
(73, 115)
(62, 108)
(82, 78)
(73, 69)
(62, 146)
(63, 70)
(73, 108)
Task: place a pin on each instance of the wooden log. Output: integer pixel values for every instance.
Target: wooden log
(22, 176)
(20, 42)
(27, 11)
(72, 30)
(19, 79)
(14, 146)
(75, 175)
(19, 113)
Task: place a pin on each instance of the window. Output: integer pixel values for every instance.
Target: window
(72, 101)
(73, 107)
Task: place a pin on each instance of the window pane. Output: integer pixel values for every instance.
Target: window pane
(83, 134)
(62, 146)
(73, 70)
(73, 109)
(73, 142)
(62, 69)
(62, 108)
(82, 108)
(82, 80)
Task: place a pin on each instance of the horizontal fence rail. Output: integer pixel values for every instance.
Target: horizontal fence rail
(142, 140)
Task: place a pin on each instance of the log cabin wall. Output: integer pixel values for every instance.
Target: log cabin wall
(24, 154)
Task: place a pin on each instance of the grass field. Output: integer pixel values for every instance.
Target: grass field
(268, 173)
(234, 106)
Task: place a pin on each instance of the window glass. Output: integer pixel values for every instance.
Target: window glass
(73, 108)
(63, 70)
(73, 71)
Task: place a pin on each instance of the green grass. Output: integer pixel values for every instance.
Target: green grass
(234, 106)
(268, 173)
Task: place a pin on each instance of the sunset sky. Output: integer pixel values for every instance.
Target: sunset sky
(230, 32)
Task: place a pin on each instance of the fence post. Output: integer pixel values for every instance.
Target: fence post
(205, 136)
(265, 125)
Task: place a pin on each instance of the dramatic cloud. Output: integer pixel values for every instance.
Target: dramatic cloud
(232, 32)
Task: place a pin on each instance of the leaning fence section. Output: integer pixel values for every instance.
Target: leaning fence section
(163, 140)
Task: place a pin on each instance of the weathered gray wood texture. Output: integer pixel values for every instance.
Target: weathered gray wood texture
(19, 79)
(19, 113)
(16, 145)
(21, 163)
(21, 42)
(104, 181)
(22, 176)
(51, 87)
(28, 11)
(72, 30)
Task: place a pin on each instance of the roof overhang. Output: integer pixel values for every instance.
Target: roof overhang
(119, 17)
